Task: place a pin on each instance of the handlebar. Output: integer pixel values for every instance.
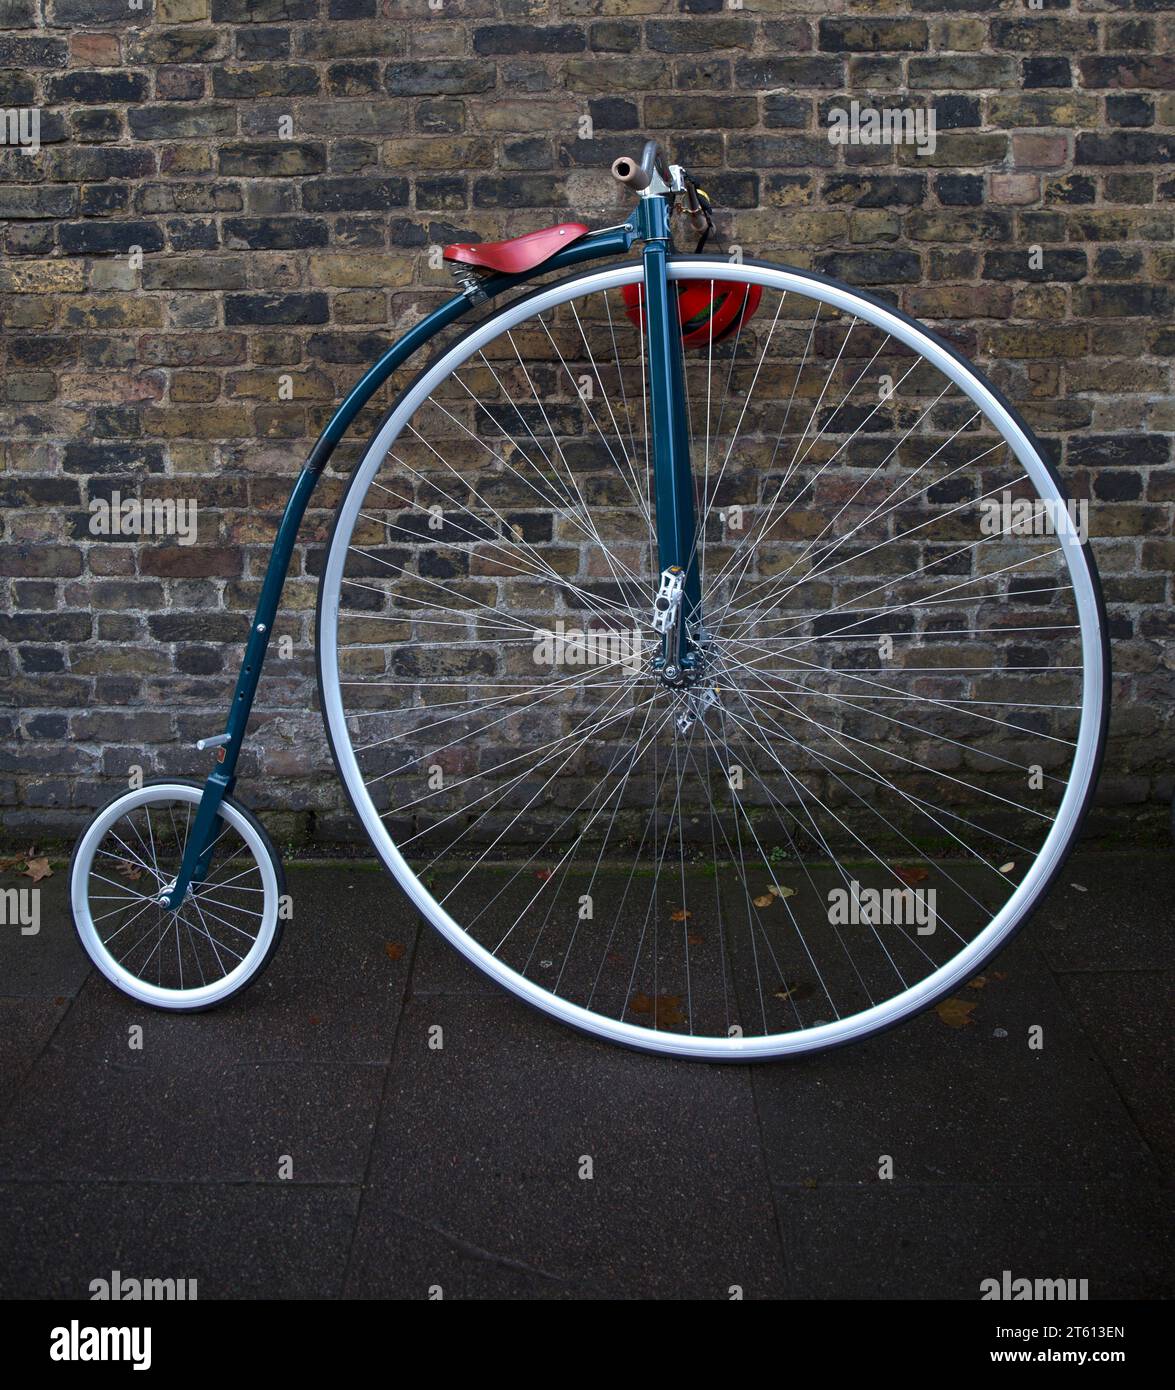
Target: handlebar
(638, 175)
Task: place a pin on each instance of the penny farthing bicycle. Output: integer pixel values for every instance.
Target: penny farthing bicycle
(707, 649)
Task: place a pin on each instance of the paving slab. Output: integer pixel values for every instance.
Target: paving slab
(51, 963)
(957, 1095)
(26, 1025)
(1123, 920)
(486, 1139)
(79, 1117)
(276, 1241)
(903, 1242)
(1128, 1016)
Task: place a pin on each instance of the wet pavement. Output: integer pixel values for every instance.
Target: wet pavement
(374, 1119)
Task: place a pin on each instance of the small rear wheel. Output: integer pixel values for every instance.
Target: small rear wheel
(221, 937)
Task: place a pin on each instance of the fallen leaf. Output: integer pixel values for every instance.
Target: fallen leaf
(665, 1008)
(37, 869)
(800, 990)
(694, 939)
(776, 891)
(10, 862)
(314, 1020)
(1007, 868)
(765, 901)
(1081, 888)
(680, 915)
(542, 875)
(956, 1013)
(393, 950)
(979, 982)
(912, 875)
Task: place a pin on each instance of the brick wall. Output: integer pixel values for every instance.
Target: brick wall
(284, 166)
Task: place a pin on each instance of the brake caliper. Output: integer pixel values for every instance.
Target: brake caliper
(667, 620)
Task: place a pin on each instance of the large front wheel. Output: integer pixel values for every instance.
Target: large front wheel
(893, 720)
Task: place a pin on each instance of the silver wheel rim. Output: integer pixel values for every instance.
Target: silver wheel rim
(198, 996)
(964, 965)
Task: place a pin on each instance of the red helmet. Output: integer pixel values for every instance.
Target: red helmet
(709, 309)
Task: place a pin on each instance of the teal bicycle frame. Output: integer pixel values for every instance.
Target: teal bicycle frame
(672, 478)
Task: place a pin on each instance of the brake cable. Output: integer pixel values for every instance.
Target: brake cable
(699, 205)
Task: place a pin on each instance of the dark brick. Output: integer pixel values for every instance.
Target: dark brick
(96, 126)
(120, 459)
(1057, 264)
(22, 53)
(1125, 147)
(692, 36)
(959, 190)
(780, 151)
(519, 191)
(261, 11)
(613, 114)
(1118, 450)
(616, 36)
(275, 233)
(353, 79)
(103, 199)
(103, 238)
(44, 200)
(845, 35)
(890, 267)
(529, 38)
(275, 308)
(181, 123)
(866, 190)
(343, 195)
(458, 75)
(256, 45)
(45, 627)
(1130, 109)
(271, 159)
(759, 74)
(1129, 70)
(264, 80)
(701, 112)
(98, 87)
(445, 194)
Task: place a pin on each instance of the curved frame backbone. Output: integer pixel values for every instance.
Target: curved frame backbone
(608, 241)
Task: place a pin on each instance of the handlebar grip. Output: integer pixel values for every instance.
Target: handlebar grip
(630, 173)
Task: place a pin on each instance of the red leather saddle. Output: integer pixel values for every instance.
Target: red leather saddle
(520, 253)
